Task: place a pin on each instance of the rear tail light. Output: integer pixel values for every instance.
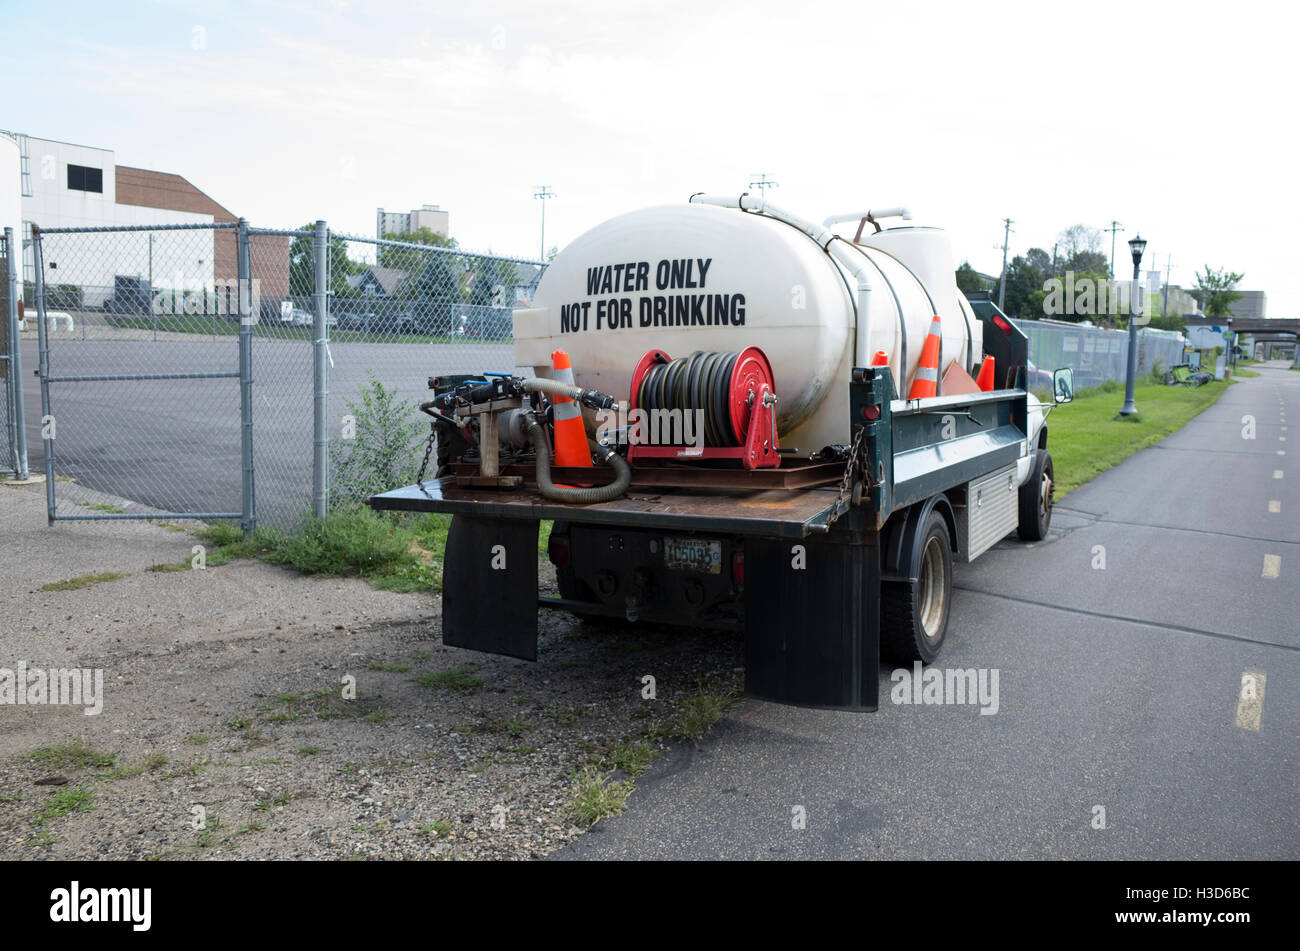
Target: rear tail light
(1001, 323)
(738, 568)
(871, 412)
(557, 549)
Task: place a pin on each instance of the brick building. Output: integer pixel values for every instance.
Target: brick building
(68, 185)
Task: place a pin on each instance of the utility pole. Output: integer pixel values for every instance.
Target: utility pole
(543, 192)
(763, 183)
(1006, 242)
(1169, 263)
(1114, 227)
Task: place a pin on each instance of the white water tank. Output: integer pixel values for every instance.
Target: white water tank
(688, 277)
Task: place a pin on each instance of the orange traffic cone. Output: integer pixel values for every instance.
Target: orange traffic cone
(570, 432)
(881, 359)
(926, 380)
(985, 380)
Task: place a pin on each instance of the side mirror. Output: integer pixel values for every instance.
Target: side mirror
(1063, 385)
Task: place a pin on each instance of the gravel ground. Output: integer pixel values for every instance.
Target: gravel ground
(222, 691)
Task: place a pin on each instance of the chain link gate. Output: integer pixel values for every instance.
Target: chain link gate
(145, 369)
(151, 339)
(13, 441)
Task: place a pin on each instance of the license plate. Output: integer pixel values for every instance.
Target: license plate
(693, 554)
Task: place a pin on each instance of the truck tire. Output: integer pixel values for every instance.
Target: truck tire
(1036, 499)
(914, 615)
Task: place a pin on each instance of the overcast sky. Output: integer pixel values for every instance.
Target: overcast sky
(1176, 119)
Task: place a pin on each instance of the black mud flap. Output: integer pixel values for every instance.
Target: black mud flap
(489, 586)
(812, 621)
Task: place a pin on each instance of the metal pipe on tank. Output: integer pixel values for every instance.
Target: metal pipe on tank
(874, 214)
(832, 244)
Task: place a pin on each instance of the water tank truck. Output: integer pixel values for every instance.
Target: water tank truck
(776, 428)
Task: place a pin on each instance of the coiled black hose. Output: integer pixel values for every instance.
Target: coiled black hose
(557, 493)
(701, 381)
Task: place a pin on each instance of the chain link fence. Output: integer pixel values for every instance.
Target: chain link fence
(416, 312)
(13, 445)
(138, 350)
(1095, 355)
(221, 370)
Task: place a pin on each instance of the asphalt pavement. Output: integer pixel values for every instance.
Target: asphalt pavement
(1148, 661)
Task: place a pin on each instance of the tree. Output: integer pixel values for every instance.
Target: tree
(438, 290)
(1215, 290)
(1081, 261)
(490, 288)
(302, 266)
(969, 281)
(1077, 238)
(1025, 292)
(401, 258)
(1041, 260)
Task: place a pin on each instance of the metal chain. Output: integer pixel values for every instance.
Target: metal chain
(854, 465)
(428, 450)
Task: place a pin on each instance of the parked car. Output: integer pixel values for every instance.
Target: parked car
(305, 318)
(381, 324)
(435, 320)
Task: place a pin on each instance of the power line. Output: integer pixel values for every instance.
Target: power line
(543, 192)
(1114, 227)
(763, 183)
(1169, 264)
(1002, 282)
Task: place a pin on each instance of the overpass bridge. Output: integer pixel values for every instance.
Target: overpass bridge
(1285, 329)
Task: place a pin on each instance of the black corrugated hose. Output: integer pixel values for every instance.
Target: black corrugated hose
(556, 493)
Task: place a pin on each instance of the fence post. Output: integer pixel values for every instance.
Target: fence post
(248, 498)
(43, 361)
(320, 375)
(16, 355)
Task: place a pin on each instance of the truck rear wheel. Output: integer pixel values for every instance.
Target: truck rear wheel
(1036, 499)
(914, 614)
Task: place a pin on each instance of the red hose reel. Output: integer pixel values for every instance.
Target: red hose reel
(733, 395)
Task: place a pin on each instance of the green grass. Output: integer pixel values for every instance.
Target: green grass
(1244, 372)
(74, 755)
(167, 567)
(103, 507)
(633, 757)
(148, 764)
(1086, 437)
(596, 796)
(326, 703)
(395, 667)
(83, 581)
(438, 828)
(458, 679)
(698, 712)
(392, 552)
(64, 802)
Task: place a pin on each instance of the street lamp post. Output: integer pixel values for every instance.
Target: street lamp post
(1137, 246)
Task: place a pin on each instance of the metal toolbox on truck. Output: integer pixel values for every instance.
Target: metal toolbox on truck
(990, 513)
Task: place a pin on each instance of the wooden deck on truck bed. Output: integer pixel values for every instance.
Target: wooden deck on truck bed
(780, 513)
